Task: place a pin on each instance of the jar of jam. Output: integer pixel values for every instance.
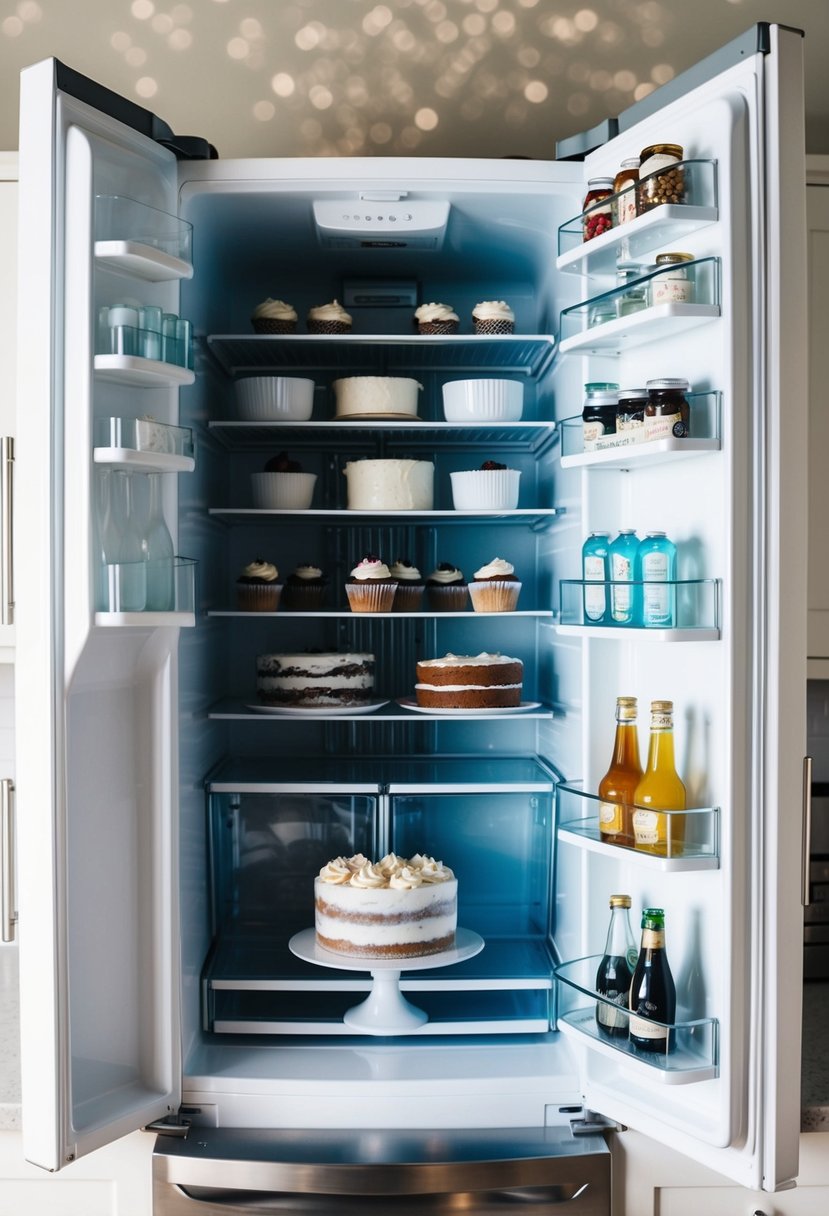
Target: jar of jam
(599, 413)
(624, 189)
(667, 413)
(630, 415)
(597, 207)
(673, 285)
(661, 177)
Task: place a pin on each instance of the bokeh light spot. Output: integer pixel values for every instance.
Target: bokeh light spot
(536, 91)
(426, 119)
(238, 48)
(264, 111)
(283, 84)
(142, 10)
(146, 86)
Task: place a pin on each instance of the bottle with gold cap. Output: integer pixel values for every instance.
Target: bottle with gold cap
(615, 972)
(660, 790)
(618, 786)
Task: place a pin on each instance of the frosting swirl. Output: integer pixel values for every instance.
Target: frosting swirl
(446, 574)
(307, 573)
(370, 568)
(429, 313)
(260, 570)
(406, 879)
(405, 572)
(274, 310)
(336, 871)
(392, 871)
(329, 312)
(369, 877)
(497, 568)
(493, 310)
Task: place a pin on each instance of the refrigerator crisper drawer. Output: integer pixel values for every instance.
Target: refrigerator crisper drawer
(380, 1172)
(270, 840)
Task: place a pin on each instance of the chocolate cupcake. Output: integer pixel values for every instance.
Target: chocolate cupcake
(274, 317)
(446, 589)
(493, 317)
(495, 587)
(410, 587)
(329, 319)
(305, 590)
(436, 319)
(371, 587)
(258, 588)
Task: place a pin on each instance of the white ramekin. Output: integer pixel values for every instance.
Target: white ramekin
(485, 490)
(283, 491)
(483, 400)
(275, 399)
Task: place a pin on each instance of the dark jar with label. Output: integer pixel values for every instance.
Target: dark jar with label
(624, 188)
(598, 415)
(630, 415)
(598, 217)
(661, 176)
(667, 413)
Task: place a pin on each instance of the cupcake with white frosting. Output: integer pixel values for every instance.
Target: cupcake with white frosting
(410, 586)
(495, 587)
(446, 589)
(274, 317)
(371, 587)
(258, 588)
(436, 319)
(329, 319)
(493, 317)
(305, 589)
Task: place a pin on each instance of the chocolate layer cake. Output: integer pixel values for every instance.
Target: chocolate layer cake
(460, 681)
(315, 680)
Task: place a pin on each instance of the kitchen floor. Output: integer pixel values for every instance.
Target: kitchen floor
(814, 1085)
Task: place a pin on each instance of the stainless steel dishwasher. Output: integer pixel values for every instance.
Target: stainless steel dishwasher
(219, 1172)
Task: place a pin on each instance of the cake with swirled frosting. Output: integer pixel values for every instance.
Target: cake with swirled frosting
(394, 908)
(463, 681)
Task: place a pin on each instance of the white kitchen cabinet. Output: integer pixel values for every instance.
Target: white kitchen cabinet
(114, 1181)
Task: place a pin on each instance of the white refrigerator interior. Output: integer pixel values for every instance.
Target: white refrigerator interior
(170, 831)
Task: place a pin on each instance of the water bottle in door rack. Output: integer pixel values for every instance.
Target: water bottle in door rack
(648, 565)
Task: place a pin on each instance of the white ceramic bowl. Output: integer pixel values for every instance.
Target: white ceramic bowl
(483, 400)
(485, 489)
(283, 491)
(274, 399)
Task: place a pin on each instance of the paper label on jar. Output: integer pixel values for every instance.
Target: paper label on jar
(632, 428)
(591, 432)
(646, 827)
(667, 290)
(661, 426)
(626, 206)
(659, 160)
(610, 818)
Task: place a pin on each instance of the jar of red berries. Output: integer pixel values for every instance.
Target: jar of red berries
(597, 214)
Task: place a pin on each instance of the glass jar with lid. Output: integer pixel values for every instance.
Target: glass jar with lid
(624, 190)
(599, 412)
(630, 415)
(635, 296)
(597, 216)
(673, 285)
(667, 413)
(661, 176)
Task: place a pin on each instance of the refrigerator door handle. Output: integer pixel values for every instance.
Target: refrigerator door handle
(8, 911)
(7, 530)
(806, 845)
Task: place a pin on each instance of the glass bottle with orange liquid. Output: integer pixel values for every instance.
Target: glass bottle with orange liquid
(620, 782)
(660, 790)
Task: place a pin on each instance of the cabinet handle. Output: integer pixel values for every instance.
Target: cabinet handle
(806, 842)
(7, 530)
(8, 912)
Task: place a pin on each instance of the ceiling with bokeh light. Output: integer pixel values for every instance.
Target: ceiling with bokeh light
(486, 78)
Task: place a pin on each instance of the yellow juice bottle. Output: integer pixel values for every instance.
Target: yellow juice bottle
(660, 790)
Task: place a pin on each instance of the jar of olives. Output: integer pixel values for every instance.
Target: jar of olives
(661, 176)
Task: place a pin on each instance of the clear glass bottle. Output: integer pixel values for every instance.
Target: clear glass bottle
(656, 581)
(158, 552)
(660, 789)
(126, 568)
(595, 570)
(622, 558)
(635, 296)
(618, 785)
(615, 971)
(652, 996)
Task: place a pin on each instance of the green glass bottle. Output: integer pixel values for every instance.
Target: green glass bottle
(652, 996)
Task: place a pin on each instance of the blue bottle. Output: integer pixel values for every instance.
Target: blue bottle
(656, 572)
(595, 567)
(622, 554)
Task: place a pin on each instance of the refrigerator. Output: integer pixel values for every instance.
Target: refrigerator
(168, 831)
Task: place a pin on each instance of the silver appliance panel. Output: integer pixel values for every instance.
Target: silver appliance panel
(480, 1172)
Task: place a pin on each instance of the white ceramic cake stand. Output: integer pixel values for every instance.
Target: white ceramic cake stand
(385, 1010)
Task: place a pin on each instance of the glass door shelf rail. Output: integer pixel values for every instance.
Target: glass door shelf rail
(601, 324)
(695, 603)
(649, 231)
(136, 239)
(143, 445)
(527, 355)
(368, 617)
(125, 586)
(691, 836)
(231, 709)
(524, 436)
(614, 453)
(695, 1041)
(381, 774)
(138, 372)
(536, 517)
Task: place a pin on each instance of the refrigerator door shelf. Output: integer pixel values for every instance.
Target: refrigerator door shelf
(391, 354)
(647, 232)
(705, 425)
(141, 261)
(659, 323)
(125, 588)
(123, 439)
(694, 1052)
(141, 373)
(695, 609)
(691, 845)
